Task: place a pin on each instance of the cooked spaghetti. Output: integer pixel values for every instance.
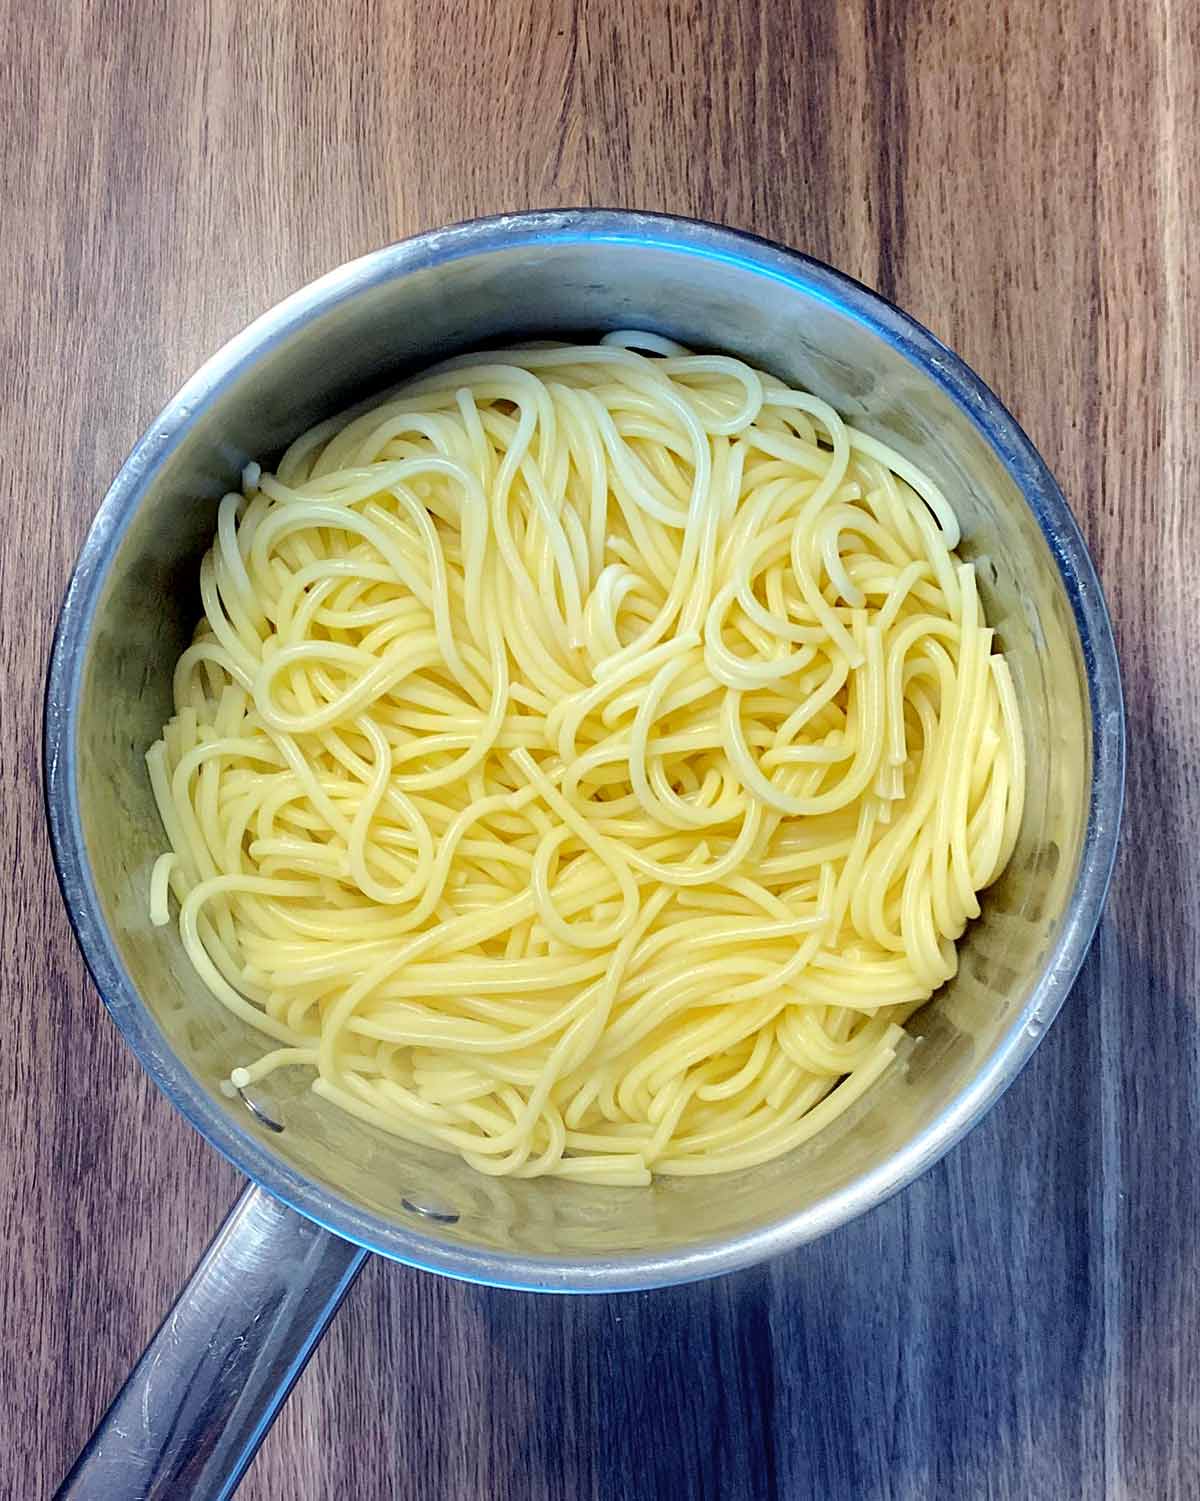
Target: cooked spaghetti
(588, 759)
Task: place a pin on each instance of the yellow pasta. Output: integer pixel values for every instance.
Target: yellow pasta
(588, 759)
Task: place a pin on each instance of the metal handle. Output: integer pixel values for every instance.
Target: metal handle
(200, 1400)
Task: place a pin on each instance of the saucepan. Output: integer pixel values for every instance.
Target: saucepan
(327, 1189)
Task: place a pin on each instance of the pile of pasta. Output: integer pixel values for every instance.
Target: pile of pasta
(587, 760)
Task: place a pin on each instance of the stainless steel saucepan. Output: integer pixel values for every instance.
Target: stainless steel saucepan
(326, 1189)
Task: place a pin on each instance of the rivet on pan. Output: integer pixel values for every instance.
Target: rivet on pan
(426, 1211)
(256, 1111)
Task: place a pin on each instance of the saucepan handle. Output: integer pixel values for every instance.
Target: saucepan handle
(200, 1400)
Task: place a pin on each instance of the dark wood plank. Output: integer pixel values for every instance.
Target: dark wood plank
(1023, 1323)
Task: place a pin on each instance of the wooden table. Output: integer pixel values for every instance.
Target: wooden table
(1022, 1323)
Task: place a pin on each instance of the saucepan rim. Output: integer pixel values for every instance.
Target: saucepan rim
(633, 1269)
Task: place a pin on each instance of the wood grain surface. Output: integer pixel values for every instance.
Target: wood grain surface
(1022, 1323)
